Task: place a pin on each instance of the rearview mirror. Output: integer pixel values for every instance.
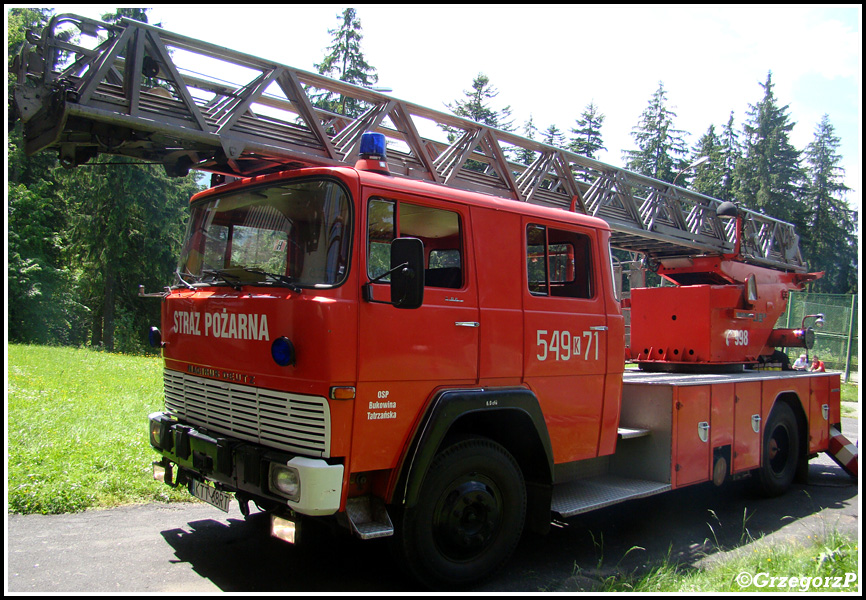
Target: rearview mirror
(407, 272)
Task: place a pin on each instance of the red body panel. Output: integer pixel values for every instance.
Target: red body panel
(747, 441)
(819, 408)
(565, 350)
(501, 308)
(232, 332)
(736, 408)
(692, 454)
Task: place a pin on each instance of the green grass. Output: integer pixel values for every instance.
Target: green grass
(77, 429)
(850, 400)
(820, 565)
(849, 392)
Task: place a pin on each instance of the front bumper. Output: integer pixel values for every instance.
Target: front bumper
(238, 466)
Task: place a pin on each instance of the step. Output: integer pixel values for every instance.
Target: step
(627, 433)
(588, 494)
(368, 518)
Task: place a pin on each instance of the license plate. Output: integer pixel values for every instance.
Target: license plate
(211, 495)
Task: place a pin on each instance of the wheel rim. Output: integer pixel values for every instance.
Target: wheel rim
(779, 450)
(467, 517)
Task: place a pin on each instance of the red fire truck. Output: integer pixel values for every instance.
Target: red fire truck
(424, 339)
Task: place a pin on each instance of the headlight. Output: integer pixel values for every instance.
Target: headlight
(155, 437)
(159, 426)
(285, 481)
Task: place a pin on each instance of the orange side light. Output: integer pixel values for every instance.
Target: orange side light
(342, 392)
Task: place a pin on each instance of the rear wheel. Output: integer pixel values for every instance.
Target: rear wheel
(781, 452)
(469, 516)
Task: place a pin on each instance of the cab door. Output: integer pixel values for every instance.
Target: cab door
(405, 354)
(565, 333)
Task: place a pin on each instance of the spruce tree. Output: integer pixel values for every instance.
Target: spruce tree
(661, 147)
(553, 136)
(832, 244)
(126, 227)
(477, 106)
(530, 131)
(586, 139)
(731, 152)
(708, 179)
(345, 61)
(769, 178)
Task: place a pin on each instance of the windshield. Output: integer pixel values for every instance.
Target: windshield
(294, 233)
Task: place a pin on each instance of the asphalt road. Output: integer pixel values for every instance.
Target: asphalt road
(172, 548)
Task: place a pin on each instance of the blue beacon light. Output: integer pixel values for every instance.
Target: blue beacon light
(283, 352)
(372, 154)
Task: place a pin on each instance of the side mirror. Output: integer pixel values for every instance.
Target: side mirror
(407, 272)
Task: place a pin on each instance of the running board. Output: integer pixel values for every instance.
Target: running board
(584, 495)
(368, 518)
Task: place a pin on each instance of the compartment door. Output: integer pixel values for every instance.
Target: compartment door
(693, 452)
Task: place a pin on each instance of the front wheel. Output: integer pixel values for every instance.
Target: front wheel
(469, 516)
(781, 452)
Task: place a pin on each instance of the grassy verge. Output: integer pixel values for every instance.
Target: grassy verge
(77, 429)
(849, 392)
(823, 565)
(850, 400)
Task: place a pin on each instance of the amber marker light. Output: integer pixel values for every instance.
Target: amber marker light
(342, 393)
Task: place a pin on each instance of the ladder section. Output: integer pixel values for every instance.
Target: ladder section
(124, 89)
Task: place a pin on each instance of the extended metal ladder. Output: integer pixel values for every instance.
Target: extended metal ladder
(89, 100)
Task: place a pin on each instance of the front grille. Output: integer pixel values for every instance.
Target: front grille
(275, 419)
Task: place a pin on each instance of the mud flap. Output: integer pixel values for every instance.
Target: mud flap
(843, 452)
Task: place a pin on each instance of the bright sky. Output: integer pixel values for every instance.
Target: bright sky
(550, 61)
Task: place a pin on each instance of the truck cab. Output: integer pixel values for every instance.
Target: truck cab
(296, 376)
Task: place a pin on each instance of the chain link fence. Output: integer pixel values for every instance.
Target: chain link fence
(835, 342)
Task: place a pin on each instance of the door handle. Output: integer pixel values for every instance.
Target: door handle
(704, 431)
(598, 328)
(467, 324)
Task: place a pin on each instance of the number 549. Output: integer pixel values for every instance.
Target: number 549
(562, 345)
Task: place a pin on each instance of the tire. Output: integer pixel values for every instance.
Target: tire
(469, 516)
(781, 452)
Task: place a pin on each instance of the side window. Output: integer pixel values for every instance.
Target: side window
(558, 262)
(381, 222)
(439, 230)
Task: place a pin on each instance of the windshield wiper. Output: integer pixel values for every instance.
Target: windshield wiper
(281, 280)
(233, 280)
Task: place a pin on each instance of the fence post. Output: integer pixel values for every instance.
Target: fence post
(850, 338)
